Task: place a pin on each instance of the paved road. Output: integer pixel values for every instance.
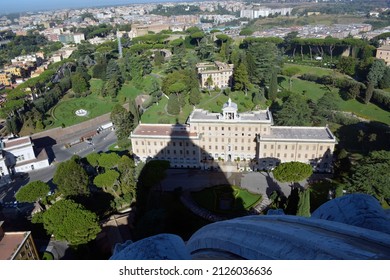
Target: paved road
(101, 143)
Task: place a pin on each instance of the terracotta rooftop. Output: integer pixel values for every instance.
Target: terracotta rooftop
(163, 130)
(9, 243)
(9, 143)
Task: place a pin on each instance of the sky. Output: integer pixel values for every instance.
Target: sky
(11, 6)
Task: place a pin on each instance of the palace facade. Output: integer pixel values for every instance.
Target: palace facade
(211, 139)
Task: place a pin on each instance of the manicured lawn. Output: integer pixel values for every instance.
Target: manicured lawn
(226, 199)
(312, 70)
(312, 90)
(128, 92)
(158, 114)
(64, 112)
(368, 111)
(315, 91)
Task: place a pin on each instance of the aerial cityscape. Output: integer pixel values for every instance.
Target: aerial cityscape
(209, 130)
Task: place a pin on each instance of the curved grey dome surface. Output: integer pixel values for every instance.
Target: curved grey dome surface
(158, 247)
(360, 210)
(290, 237)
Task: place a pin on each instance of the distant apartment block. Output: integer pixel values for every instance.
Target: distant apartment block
(384, 53)
(17, 245)
(231, 136)
(141, 30)
(257, 11)
(71, 38)
(215, 74)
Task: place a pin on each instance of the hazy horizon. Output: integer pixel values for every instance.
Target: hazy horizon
(42, 5)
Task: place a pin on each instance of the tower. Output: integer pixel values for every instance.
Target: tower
(119, 44)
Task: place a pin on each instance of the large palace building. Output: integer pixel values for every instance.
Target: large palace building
(214, 139)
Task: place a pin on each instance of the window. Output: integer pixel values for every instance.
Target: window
(278, 147)
(321, 148)
(242, 148)
(265, 146)
(299, 155)
(307, 147)
(292, 155)
(300, 147)
(265, 154)
(180, 144)
(174, 152)
(136, 142)
(278, 155)
(174, 144)
(285, 155)
(272, 146)
(249, 148)
(216, 128)
(216, 147)
(286, 147)
(305, 155)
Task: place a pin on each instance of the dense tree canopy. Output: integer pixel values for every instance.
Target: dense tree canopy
(370, 175)
(292, 171)
(295, 112)
(123, 122)
(71, 178)
(70, 222)
(32, 192)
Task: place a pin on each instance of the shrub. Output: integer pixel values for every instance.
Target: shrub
(381, 98)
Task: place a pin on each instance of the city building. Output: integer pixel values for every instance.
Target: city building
(258, 11)
(214, 139)
(215, 74)
(384, 53)
(70, 38)
(17, 245)
(19, 155)
(5, 79)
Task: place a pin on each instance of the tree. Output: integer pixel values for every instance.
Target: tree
(197, 36)
(32, 192)
(122, 120)
(173, 107)
(261, 58)
(304, 203)
(70, 222)
(292, 172)
(385, 81)
(347, 65)
(354, 91)
(324, 108)
(240, 77)
(108, 160)
(127, 175)
(375, 74)
(106, 180)
(111, 88)
(295, 112)
(273, 85)
(194, 96)
(79, 84)
(370, 175)
(71, 179)
(93, 158)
